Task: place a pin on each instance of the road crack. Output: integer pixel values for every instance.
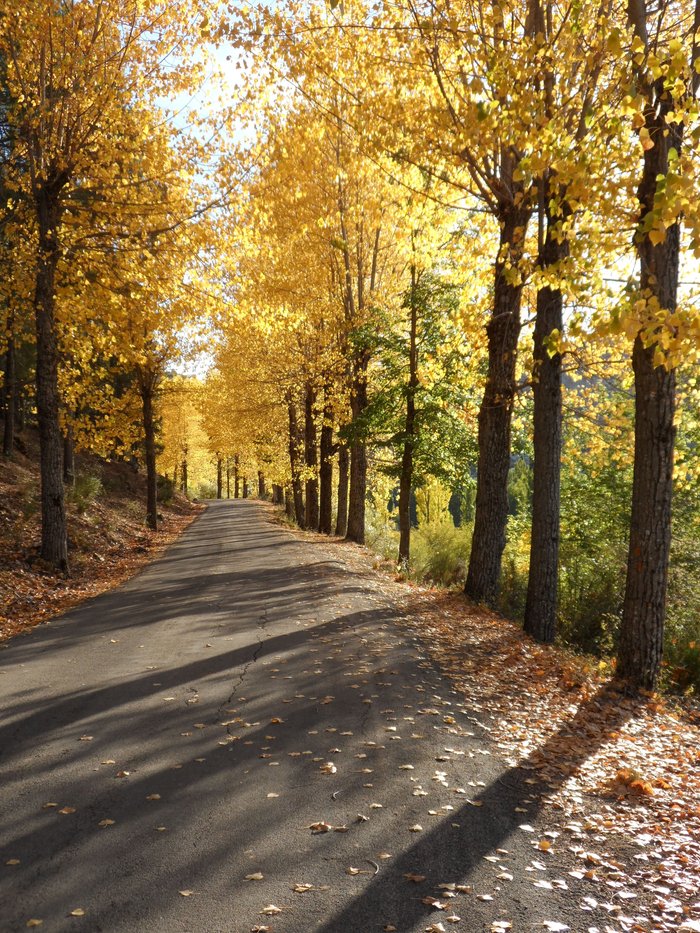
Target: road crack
(261, 626)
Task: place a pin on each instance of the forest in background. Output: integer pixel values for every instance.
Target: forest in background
(441, 257)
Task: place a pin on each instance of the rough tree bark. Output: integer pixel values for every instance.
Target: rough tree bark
(219, 478)
(358, 450)
(542, 588)
(183, 472)
(294, 447)
(341, 522)
(68, 457)
(236, 479)
(406, 479)
(491, 507)
(10, 392)
(147, 386)
(54, 536)
(644, 610)
(289, 503)
(325, 519)
(310, 458)
(261, 485)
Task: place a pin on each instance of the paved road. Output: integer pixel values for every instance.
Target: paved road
(203, 708)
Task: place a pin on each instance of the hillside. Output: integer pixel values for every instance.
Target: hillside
(108, 540)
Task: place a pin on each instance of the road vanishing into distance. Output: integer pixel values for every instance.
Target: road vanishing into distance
(249, 736)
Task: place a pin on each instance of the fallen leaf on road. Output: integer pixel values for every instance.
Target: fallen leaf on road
(34, 922)
(434, 902)
(271, 910)
(255, 876)
(78, 912)
(416, 879)
(320, 827)
(153, 797)
(104, 823)
(12, 861)
(301, 888)
(186, 893)
(66, 810)
(417, 828)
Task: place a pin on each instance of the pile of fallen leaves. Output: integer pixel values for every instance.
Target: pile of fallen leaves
(619, 770)
(108, 541)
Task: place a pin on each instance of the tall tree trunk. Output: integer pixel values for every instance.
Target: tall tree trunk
(147, 389)
(245, 487)
(54, 535)
(236, 479)
(325, 520)
(277, 494)
(491, 508)
(20, 409)
(294, 448)
(310, 457)
(341, 522)
(358, 451)
(10, 390)
(644, 610)
(406, 479)
(228, 478)
(640, 647)
(261, 485)
(219, 478)
(541, 602)
(183, 470)
(68, 457)
(289, 503)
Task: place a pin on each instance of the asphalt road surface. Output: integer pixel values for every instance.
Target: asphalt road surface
(164, 741)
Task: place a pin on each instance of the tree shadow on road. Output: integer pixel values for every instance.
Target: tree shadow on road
(455, 848)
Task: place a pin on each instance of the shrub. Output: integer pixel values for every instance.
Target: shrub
(166, 489)
(439, 552)
(206, 490)
(85, 490)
